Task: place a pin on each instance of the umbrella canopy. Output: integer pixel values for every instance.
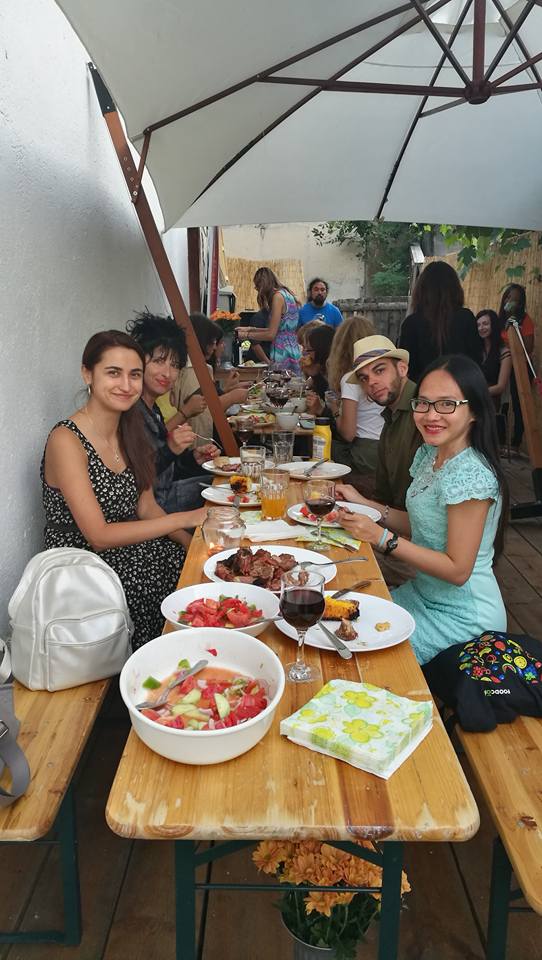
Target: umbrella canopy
(257, 112)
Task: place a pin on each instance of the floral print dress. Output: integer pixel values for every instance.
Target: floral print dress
(148, 571)
(285, 350)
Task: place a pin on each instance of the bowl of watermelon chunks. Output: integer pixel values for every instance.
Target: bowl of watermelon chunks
(233, 606)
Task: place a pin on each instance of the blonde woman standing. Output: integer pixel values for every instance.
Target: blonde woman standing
(358, 420)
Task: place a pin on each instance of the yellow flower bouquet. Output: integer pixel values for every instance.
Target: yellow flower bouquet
(334, 920)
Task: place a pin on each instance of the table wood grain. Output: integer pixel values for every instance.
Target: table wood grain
(54, 730)
(279, 789)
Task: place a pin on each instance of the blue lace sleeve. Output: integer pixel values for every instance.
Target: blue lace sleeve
(468, 478)
(420, 457)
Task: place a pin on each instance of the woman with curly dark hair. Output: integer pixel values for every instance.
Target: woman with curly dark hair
(439, 323)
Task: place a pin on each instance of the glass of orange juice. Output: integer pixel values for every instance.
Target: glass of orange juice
(273, 489)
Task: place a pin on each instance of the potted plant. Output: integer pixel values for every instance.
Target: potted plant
(323, 924)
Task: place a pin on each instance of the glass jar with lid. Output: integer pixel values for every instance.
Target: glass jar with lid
(223, 529)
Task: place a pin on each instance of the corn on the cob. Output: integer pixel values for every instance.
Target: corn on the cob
(341, 609)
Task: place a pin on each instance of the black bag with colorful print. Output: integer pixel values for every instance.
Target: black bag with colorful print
(491, 679)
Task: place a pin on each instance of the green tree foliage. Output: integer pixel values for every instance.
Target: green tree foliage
(479, 244)
(384, 247)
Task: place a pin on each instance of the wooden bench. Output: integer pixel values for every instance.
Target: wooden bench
(54, 730)
(507, 764)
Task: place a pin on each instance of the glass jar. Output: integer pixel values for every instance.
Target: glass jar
(223, 529)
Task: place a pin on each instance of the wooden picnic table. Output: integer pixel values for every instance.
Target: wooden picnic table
(55, 728)
(281, 790)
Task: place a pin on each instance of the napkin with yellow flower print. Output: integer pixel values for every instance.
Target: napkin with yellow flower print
(367, 726)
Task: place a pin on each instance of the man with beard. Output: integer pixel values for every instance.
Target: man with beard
(382, 372)
(317, 307)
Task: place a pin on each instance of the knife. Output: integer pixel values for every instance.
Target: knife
(355, 586)
(340, 647)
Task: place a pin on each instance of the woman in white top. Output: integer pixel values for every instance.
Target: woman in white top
(358, 420)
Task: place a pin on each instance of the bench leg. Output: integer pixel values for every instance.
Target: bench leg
(67, 838)
(497, 927)
(388, 937)
(185, 900)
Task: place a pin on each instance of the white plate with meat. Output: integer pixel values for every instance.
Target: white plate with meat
(380, 624)
(301, 513)
(226, 466)
(254, 565)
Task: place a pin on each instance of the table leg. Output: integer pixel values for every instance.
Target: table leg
(185, 900)
(497, 927)
(388, 938)
(67, 839)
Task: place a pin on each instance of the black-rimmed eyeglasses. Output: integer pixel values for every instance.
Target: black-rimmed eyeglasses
(421, 405)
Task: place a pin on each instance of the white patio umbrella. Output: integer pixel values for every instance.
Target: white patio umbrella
(314, 110)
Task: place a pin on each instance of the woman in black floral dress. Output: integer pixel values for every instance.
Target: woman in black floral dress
(97, 475)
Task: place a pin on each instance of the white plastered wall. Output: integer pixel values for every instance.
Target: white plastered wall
(284, 241)
(73, 259)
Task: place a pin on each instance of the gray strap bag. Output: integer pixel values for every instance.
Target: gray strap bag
(11, 755)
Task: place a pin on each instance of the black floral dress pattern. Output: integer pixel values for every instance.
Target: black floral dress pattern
(148, 571)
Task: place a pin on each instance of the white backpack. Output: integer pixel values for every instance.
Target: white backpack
(70, 621)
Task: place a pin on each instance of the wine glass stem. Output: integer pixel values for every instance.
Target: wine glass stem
(300, 655)
(319, 530)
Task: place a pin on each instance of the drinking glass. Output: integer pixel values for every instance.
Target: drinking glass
(332, 400)
(243, 430)
(252, 462)
(278, 395)
(302, 604)
(273, 490)
(283, 447)
(319, 496)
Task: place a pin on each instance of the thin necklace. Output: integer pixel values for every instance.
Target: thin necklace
(114, 450)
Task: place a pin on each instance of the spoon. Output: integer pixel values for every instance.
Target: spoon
(340, 647)
(178, 679)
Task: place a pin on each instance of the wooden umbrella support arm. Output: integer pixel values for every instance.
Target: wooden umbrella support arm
(533, 432)
(161, 262)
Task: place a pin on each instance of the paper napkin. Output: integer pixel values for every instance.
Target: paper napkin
(367, 726)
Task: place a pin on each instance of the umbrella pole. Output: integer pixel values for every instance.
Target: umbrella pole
(533, 433)
(161, 262)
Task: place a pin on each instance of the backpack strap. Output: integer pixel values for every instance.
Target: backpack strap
(11, 755)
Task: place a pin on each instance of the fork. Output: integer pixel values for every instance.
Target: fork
(330, 563)
(209, 440)
(155, 704)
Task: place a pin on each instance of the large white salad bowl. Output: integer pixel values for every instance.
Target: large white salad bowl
(234, 651)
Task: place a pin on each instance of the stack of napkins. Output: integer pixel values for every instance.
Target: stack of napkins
(264, 530)
(369, 727)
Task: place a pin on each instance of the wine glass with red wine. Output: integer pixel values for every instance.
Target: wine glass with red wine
(319, 497)
(302, 604)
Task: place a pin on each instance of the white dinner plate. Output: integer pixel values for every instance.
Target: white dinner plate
(222, 495)
(295, 513)
(209, 465)
(326, 471)
(299, 555)
(264, 600)
(372, 610)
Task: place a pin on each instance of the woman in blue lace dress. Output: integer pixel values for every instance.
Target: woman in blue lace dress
(456, 504)
(281, 330)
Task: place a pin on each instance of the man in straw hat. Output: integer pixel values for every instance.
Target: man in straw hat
(381, 369)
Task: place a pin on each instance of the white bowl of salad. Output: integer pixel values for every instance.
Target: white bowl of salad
(231, 605)
(221, 712)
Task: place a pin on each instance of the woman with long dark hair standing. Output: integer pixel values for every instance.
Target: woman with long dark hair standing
(456, 507)
(496, 364)
(281, 331)
(97, 476)
(439, 323)
(514, 304)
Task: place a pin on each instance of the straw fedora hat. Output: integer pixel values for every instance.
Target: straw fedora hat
(374, 348)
